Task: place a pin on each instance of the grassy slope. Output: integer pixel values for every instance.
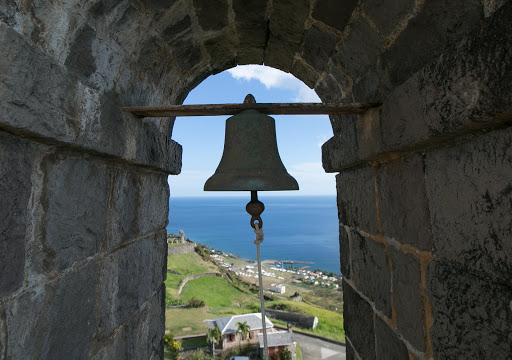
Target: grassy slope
(186, 264)
(330, 324)
(222, 299)
(215, 292)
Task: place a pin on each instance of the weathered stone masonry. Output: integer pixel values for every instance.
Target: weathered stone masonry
(424, 183)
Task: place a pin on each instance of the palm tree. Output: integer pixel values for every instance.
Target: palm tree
(243, 329)
(214, 335)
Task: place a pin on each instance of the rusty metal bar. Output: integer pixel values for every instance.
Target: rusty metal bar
(265, 108)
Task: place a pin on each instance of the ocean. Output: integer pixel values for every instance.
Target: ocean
(303, 228)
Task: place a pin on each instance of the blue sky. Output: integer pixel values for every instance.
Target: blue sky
(298, 137)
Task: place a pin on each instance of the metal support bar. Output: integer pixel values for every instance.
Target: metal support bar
(265, 108)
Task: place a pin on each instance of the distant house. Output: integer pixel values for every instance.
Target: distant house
(279, 340)
(277, 288)
(228, 327)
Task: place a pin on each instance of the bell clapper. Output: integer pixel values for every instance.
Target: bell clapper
(255, 208)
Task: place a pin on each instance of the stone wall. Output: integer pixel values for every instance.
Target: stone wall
(181, 249)
(83, 211)
(300, 320)
(423, 184)
(186, 279)
(425, 209)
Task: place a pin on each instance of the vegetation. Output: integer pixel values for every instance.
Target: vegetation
(214, 336)
(199, 341)
(244, 330)
(195, 303)
(173, 347)
(298, 352)
(231, 295)
(216, 292)
(330, 324)
(283, 354)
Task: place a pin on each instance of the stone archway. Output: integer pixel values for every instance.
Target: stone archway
(423, 184)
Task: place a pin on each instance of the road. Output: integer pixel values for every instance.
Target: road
(316, 349)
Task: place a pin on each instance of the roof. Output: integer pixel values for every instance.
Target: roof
(229, 324)
(278, 338)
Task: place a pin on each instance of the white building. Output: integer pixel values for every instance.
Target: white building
(277, 288)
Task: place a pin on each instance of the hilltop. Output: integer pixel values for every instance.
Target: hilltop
(228, 290)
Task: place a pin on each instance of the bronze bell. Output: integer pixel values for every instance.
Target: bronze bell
(250, 161)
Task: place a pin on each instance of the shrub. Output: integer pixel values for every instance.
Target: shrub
(274, 356)
(195, 303)
(173, 345)
(285, 354)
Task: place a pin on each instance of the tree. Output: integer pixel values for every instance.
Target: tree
(214, 336)
(285, 354)
(244, 330)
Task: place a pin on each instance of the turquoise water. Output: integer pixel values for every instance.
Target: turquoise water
(301, 228)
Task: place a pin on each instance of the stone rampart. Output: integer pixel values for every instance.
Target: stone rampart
(423, 185)
(300, 320)
(192, 277)
(187, 248)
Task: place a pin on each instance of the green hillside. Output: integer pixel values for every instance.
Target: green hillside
(226, 296)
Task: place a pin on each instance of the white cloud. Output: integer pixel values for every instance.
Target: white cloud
(273, 78)
(312, 179)
(307, 95)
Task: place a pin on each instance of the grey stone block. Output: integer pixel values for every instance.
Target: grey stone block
(328, 89)
(349, 352)
(288, 17)
(180, 27)
(134, 278)
(345, 252)
(27, 323)
(360, 49)
(403, 114)
(75, 205)
(469, 188)
(55, 321)
(456, 93)
(370, 271)
(104, 7)
(250, 55)
(15, 189)
(107, 300)
(387, 14)
(211, 14)
(102, 126)
(342, 149)
(472, 316)
(80, 58)
(126, 207)
(369, 134)
(305, 72)
(50, 110)
(389, 346)
(334, 13)
(438, 24)
(356, 199)
(155, 203)
(358, 316)
(317, 47)
(407, 297)
(158, 5)
(249, 11)
(403, 202)
(251, 22)
(222, 52)
(143, 333)
(280, 53)
(188, 53)
(71, 315)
